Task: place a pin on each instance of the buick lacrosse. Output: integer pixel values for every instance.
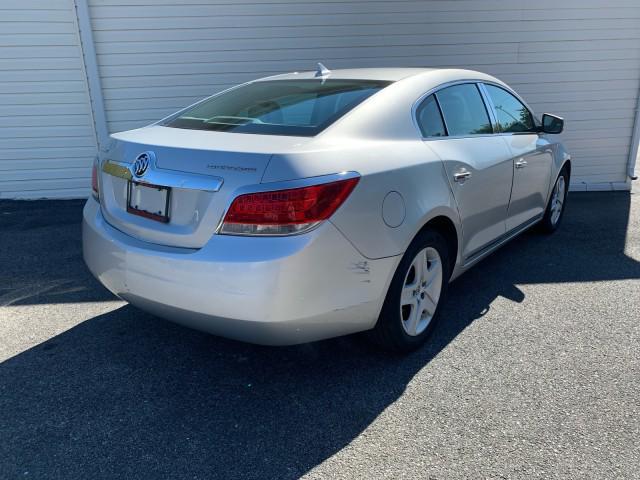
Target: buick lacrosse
(310, 205)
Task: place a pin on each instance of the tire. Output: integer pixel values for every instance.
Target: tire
(403, 328)
(558, 199)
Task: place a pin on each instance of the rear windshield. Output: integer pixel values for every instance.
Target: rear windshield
(279, 107)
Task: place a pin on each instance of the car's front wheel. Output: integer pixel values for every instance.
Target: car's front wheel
(555, 208)
(412, 304)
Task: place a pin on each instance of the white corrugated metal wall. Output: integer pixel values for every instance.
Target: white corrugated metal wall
(577, 58)
(47, 139)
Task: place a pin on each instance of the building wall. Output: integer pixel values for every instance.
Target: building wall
(576, 58)
(47, 141)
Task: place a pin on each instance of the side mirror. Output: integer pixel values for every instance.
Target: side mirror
(552, 124)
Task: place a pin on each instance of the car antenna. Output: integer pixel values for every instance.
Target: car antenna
(322, 71)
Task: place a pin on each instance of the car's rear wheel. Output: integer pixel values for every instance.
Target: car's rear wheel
(555, 208)
(411, 307)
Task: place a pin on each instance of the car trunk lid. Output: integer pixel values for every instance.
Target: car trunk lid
(203, 170)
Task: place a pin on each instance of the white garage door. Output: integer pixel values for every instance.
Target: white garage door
(46, 129)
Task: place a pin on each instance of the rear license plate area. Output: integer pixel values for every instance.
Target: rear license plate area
(149, 201)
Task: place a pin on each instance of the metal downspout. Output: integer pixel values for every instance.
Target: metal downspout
(635, 140)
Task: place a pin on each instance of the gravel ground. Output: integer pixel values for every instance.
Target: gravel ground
(534, 372)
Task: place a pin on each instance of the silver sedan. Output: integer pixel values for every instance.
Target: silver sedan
(310, 205)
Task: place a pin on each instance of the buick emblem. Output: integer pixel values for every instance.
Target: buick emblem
(142, 162)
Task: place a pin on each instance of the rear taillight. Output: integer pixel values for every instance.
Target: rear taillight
(95, 189)
(285, 212)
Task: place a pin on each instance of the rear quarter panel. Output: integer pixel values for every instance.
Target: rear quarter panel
(408, 167)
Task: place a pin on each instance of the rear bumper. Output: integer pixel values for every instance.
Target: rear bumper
(275, 291)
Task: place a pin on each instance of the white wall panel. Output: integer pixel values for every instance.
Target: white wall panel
(579, 59)
(47, 139)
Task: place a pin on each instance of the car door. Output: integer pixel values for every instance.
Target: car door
(531, 154)
(478, 163)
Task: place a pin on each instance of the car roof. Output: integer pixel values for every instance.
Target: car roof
(385, 74)
(387, 113)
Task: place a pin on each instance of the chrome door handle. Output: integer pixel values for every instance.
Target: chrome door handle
(461, 176)
(521, 163)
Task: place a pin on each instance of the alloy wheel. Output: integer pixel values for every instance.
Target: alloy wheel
(557, 199)
(421, 291)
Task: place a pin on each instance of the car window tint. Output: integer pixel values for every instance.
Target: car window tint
(464, 111)
(429, 118)
(278, 107)
(512, 115)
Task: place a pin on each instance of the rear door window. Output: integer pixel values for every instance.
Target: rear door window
(429, 118)
(464, 110)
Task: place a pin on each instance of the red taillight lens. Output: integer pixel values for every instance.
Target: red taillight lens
(283, 212)
(95, 189)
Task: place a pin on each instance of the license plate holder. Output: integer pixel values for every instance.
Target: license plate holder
(149, 201)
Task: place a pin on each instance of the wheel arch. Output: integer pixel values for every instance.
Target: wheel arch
(554, 176)
(561, 159)
(567, 164)
(447, 227)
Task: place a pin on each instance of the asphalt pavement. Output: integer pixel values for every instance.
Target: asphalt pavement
(533, 373)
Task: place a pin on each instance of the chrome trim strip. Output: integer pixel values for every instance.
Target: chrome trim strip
(501, 240)
(164, 177)
(282, 185)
